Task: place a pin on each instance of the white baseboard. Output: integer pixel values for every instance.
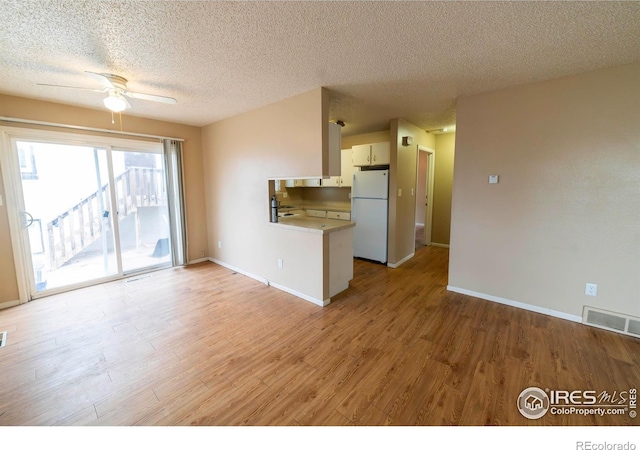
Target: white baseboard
(196, 261)
(403, 260)
(306, 297)
(242, 272)
(9, 304)
(527, 306)
(435, 244)
(272, 284)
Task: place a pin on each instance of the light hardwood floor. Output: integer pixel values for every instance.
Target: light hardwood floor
(203, 346)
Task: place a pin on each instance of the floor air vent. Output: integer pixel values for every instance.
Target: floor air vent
(3, 338)
(131, 280)
(620, 323)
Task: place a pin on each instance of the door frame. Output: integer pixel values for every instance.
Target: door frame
(12, 179)
(431, 164)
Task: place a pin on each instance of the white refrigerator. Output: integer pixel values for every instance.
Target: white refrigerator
(369, 210)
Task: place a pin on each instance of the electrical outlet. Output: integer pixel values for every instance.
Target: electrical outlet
(280, 264)
(201, 254)
(591, 289)
(219, 244)
(285, 195)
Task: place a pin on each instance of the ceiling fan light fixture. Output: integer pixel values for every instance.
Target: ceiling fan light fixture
(115, 103)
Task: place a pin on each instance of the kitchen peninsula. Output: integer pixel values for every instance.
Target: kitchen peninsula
(326, 245)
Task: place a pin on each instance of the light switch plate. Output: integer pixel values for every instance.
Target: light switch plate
(1, 200)
(493, 179)
(399, 192)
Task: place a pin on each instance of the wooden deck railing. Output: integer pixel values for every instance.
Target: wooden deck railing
(75, 229)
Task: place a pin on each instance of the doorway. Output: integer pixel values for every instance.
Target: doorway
(85, 209)
(424, 196)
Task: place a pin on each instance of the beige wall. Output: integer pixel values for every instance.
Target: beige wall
(23, 108)
(566, 210)
(443, 183)
(282, 140)
(402, 176)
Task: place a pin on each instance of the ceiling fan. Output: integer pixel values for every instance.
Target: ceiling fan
(116, 86)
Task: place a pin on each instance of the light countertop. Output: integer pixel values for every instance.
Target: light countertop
(319, 225)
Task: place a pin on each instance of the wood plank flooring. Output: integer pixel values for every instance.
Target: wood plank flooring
(204, 346)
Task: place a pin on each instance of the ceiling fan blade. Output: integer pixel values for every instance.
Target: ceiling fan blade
(105, 81)
(153, 98)
(71, 87)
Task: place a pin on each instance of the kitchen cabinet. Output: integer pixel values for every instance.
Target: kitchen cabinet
(316, 213)
(361, 155)
(331, 182)
(312, 182)
(307, 182)
(340, 215)
(294, 183)
(378, 154)
(346, 172)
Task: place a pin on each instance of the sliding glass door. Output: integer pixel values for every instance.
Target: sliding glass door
(143, 214)
(66, 214)
(88, 212)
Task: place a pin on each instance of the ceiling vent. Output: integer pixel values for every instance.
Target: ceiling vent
(3, 338)
(620, 323)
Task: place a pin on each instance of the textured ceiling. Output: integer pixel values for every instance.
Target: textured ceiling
(380, 60)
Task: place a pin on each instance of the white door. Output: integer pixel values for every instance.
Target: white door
(424, 196)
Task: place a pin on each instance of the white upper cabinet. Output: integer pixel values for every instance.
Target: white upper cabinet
(294, 183)
(312, 182)
(361, 155)
(377, 154)
(331, 182)
(380, 154)
(346, 172)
